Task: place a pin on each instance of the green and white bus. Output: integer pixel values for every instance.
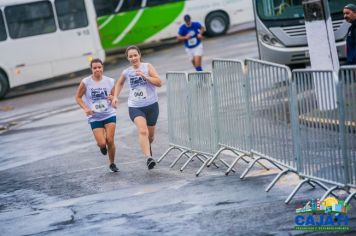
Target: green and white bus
(42, 39)
(281, 30)
(148, 22)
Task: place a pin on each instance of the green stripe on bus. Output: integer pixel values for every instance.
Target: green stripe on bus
(114, 28)
(151, 22)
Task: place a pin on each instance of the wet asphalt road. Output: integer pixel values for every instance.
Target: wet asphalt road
(54, 180)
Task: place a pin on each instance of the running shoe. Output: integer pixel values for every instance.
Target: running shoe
(150, 163)
(104, 151)
(113, 167)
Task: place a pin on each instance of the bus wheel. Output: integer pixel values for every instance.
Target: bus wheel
(4, 85)
(217, 23)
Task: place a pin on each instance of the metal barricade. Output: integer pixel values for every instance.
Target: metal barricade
(231, 106)
(317, 129)
(347, 91)
(270, 116)
(178, 114)
(202, 116)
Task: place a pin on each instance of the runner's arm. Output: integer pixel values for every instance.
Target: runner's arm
(117, 90)
(153, 76)
(78, 98)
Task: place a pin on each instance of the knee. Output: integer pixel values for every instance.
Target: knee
(143, 132)
(110, 141)
(101, 144)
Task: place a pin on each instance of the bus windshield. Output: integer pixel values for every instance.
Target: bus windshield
(291, 9)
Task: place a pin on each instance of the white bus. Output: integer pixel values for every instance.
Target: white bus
(281, 30)
(41, 39)
(147, 22)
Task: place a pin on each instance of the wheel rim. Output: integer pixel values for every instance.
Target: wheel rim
(218, 25)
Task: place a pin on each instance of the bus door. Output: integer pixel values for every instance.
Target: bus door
(33, 40)
(77, 37)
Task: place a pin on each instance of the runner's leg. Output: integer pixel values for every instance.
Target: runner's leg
(142, 129)
(99, 135)
(110, 133)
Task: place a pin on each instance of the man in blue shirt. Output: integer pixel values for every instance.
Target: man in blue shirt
(192, 34)
(350, 16)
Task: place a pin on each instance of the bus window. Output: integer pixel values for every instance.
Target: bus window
(30, 19)
(3, 35)
(71, 14)
(160, 2)
(105, 7)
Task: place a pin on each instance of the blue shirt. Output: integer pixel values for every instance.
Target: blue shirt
(193, 30)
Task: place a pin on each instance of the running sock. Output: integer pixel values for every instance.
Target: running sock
(198, 68)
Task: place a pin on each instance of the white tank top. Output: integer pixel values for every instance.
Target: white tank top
(96, 95)
(142, 93)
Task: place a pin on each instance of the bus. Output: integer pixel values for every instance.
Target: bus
(149, 22)
(281, 32)
(41, 39)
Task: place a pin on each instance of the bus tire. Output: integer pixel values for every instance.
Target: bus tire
(217, 23)
(4, 85)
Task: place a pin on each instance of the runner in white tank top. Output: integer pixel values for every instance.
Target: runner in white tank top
(143, 101)
(97, 91)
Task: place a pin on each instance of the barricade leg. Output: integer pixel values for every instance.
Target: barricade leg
(284, 172)
(215, 156)
(253, 163)
(178, 158)
(333, 188)
(308, 181)
(187, 162)
(348, 199)
(210, 160)
(234, 163)
(166, 153)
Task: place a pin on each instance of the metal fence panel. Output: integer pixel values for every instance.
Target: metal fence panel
(231, 101)
(202, 115)
(178, 109)
(270, 111)
(347, 79)
(318, 116)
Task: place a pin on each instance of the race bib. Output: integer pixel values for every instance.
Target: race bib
(100, 105)
(139, 93)
(192, 41)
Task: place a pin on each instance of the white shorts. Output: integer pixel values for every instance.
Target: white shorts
(197, 51)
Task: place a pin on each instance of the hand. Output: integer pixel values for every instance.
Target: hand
(88, 112)
(200, 36)
(140, 73)
(187, 37)
(114, 102)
